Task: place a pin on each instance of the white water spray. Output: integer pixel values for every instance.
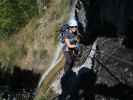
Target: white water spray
(73, 8)
(55, 60)
(89, 61)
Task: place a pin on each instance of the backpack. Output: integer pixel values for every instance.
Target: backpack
(63, 30)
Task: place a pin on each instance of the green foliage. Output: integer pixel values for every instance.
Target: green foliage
(9, 55)
(14, 13)
(6, 55)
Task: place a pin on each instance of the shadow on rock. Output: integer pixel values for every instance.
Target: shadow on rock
(83, 87)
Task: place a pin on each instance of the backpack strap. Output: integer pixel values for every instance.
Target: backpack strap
(63, 31)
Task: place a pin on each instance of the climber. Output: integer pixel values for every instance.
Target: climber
(71, 46)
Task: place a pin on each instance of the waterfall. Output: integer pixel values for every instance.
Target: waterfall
(73, 8)
(56, 58)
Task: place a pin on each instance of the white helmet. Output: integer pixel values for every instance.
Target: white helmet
(72, 22)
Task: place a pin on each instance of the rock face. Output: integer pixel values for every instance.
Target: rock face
(110, 79)
(105, 18)
(114, 70)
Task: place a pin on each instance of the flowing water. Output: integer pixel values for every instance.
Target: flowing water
(56, 57)
(55, 60)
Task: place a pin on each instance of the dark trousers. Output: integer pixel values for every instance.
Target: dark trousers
(69, 61)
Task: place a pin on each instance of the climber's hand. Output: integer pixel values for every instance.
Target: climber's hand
(77, 46)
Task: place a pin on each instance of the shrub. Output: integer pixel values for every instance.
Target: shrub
(15, 13)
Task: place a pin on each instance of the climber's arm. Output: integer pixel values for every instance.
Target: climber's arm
(67, 42)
